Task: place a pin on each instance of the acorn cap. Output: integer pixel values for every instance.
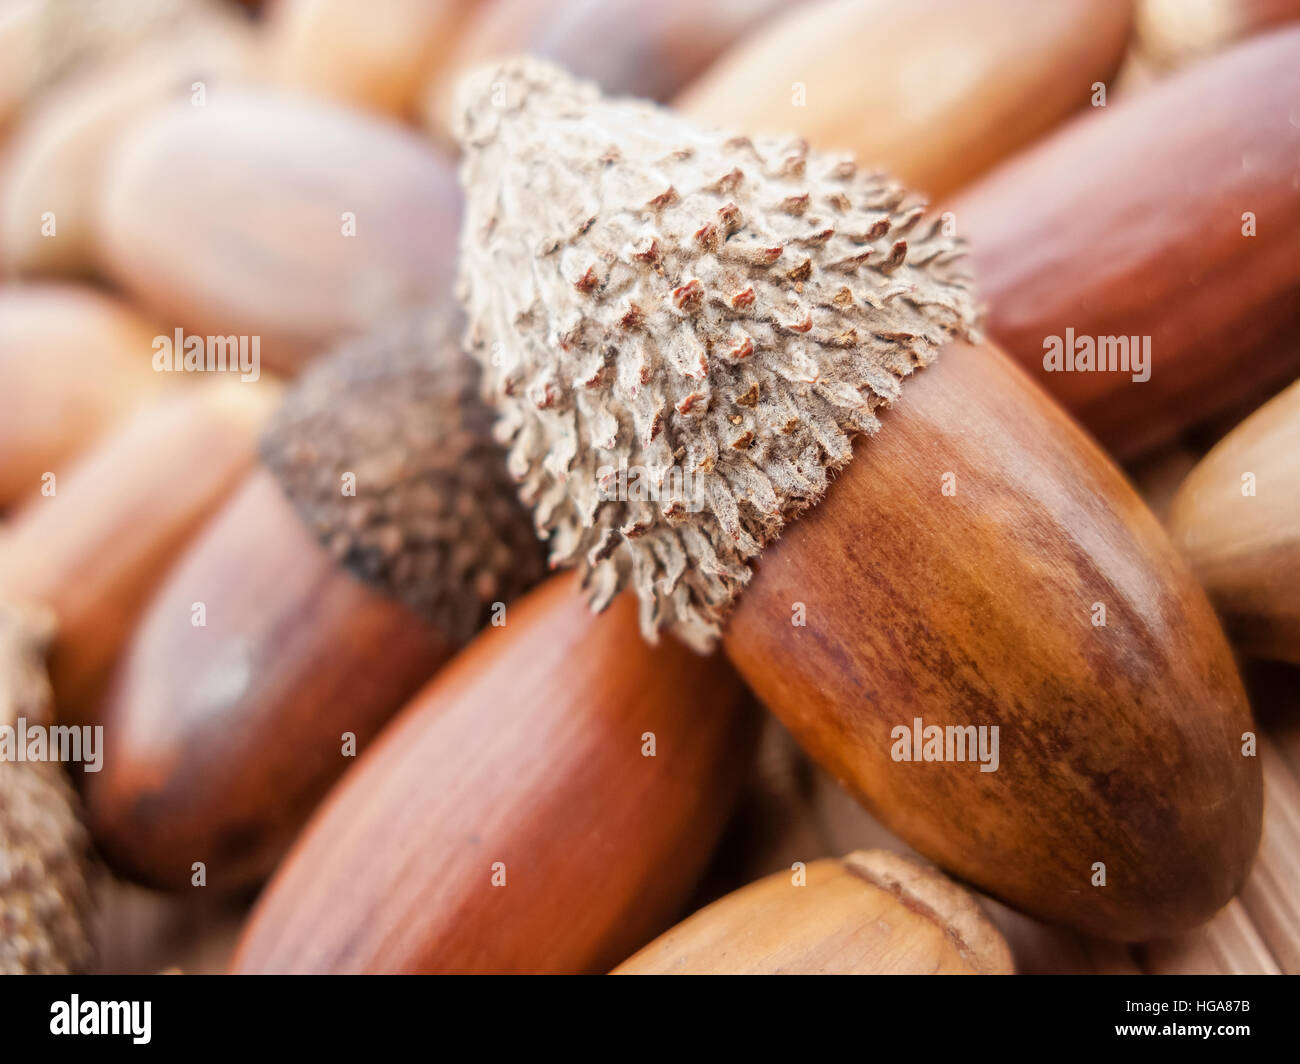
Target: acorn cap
(44, 849)
(681, 330)
(434, 520)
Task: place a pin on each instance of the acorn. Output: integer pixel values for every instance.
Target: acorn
(625, 46)
(870, 913)
(74, 363)
(954, 87)
(54, 163)
(44, 849)
(375, 56)
(1184, 283)
(94, 548)
(545, 804)
(378, 532)
(1237, 520)
(1170, 33)
(1038, 948)
(316, 221)
(44, 43)
(701, 326)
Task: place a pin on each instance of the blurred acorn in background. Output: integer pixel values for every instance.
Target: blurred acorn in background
(1154, 238)
(281, 217)
(1174, 32)
(379, 532)
(45, 42)
(74, 362)
(625, 46)
(1237, 519)
(935, 91)
(54, 166)
(374, 55)
(94, 549)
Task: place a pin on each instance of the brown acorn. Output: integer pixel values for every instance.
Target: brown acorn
(1160, 231)
(978, 567)
(315, 221)
(1237, 520)
(378, 533)
(1038, 948)
(45, 43)
(544, 805)
(95, 548)
(44, 849)
(625, 46)
(1170, 33)
(374, 55)
(73, 364)
(870, 913)
(54, 164)
(936, 91)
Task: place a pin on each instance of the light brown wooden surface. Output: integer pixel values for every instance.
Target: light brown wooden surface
(1118, 744)
(870, 913)
(220, 740)
(1237, 520)
(935, 91)
(525, 750)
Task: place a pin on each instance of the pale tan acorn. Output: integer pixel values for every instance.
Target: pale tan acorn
(1237, 519)
(870, 913)
(44, 849)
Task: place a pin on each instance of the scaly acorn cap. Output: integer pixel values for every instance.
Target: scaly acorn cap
(434, 520)
(44, 848)
(681, 330)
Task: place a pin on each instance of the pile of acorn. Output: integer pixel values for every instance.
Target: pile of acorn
(327, 328)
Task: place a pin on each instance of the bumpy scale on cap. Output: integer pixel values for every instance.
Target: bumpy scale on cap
(44, 849)
(681, 329)
(434, 520)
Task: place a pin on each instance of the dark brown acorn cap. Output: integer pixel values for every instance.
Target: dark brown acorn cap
(434, 520)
